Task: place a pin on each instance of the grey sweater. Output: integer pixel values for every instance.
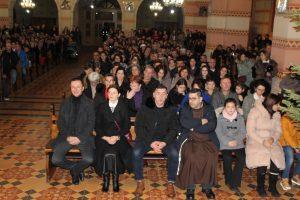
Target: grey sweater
(228, 131)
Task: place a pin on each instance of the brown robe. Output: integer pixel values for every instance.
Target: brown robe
(198, 161)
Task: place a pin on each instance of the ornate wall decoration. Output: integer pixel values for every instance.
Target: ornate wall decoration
(294, 16)
(284, 43)
(203, 11)
(129, 6)
(228, 31)
(65, 5)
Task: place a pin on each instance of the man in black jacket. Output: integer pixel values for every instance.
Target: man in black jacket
(9, 61)
(156, 127)
(76, 123)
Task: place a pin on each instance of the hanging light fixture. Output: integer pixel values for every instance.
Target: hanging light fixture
(156, 7)
(176, 3)
(27, 4)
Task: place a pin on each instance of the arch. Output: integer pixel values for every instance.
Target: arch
(106, 14)
(12, 5)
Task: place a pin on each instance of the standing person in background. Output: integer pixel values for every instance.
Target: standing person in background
(23, 61)
(9, 61)
(265, 68)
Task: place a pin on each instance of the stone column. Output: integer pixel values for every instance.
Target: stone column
(129, 18)
(228, 23)
(192, 18)
(65, 16)
(286, 39)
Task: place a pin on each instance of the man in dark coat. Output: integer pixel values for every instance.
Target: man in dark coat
(9, 61)
(156, 127)
(76, 123)
(199, 150)
(149, 83)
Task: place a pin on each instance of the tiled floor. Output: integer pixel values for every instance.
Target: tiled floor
(22, 159)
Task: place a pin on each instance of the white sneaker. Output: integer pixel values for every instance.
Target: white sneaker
(284, 183)
(296, 180)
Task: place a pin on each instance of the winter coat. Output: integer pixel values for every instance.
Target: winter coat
(231, 130)
(261, 126)
(290, 133)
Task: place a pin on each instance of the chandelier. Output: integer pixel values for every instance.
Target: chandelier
(155, 6)
(176, 3)
(27, 4)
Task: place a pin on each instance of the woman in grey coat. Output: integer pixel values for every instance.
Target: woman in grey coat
(245, 69)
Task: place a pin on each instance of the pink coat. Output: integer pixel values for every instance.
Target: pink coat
(260, 127)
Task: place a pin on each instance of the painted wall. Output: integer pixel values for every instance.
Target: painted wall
(193, 20)
(228, 23)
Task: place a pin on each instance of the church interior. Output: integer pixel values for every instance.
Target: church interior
(54, 41)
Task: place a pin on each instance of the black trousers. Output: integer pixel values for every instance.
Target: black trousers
(59, 157)
(263, 169)
(233, 175)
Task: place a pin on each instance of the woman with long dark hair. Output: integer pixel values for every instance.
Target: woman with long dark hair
(121, 81)
(259, 89)
(263, 150)
(178, 92)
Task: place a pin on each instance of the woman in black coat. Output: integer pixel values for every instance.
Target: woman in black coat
(112, 124)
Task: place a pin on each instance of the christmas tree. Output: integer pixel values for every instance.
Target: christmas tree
(291, 100)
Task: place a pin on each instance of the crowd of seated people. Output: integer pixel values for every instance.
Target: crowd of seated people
(28, 51)
(186, 106)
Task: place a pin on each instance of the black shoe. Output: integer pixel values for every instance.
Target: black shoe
(236, 191)
(272, 185)
(260, 188)
(209, 193)
(274, 192)
(105, 186)
(116, 182)
(75, 178)
(261, 192)
(81, 176)
(190, 194)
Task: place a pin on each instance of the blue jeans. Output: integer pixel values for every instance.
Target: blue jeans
(14, 76)
(139, 151)
(289, 159)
